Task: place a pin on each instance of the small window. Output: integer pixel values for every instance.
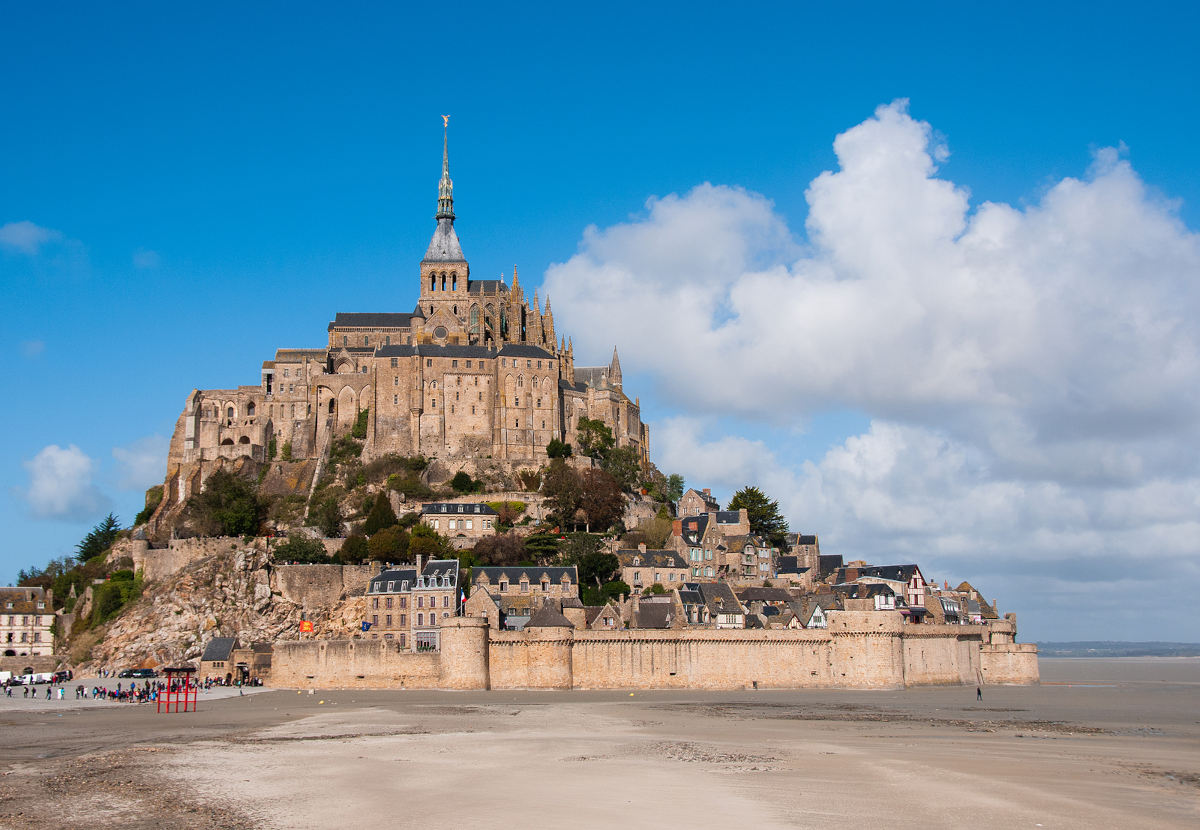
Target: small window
(428, 363)
(395, 399)
(366, 340)
(468, 364)
(528, 364)
(395, 362)
(453, 364)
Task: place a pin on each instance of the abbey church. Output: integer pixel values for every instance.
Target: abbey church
(474, 370)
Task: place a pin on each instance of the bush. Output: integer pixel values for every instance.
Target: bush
(328, 516)
(653, 589)
(614, 589)
(505, 550)
(354, 550)
(390, 464)
(303, 550)
(410, 485)
(271, 449)
(109, 598)
(154, 497)
(531, 480)
(463, 483)
(427, 543)
(381, 515)
(389, 545)
(359, 430)
(558, 449)
(343, 449)
(286, 452)
(228, 506)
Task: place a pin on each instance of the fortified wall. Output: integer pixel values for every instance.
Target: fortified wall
(859, 650)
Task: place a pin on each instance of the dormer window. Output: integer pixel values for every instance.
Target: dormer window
(637, 560)
(404, 585)
(503, 587)
(391, 586)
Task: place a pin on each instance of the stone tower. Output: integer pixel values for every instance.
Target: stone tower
(444, 270)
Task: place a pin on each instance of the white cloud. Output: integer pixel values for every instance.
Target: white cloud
(143, 463)
(146, 259)
(1032, 373)
(61, 485)
(25, 237)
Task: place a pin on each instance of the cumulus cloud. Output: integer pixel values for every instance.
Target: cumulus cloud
(1032, 373)
(146, 259)
(143, 463)
(25, 237)
(60, 484)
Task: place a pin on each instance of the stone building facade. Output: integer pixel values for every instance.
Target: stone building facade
(410, 604)
(463, 523)
(475, 370)
(26, 617)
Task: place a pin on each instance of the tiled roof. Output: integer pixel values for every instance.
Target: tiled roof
(548, 617)
(219, 648)
(650, 558)
(471, 508)
(513, 574)
(524, 350)
(371, 320)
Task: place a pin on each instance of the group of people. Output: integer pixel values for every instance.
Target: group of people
(147, 692)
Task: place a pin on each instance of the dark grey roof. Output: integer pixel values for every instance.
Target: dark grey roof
(486, 286)
(654, 615)
(219, 648)
(719, 597)
(441, 567)
(806, 540)
(764, 594)
(524, 350)
(899, 573)
(651, 558)
(728, 517)
(372, 320)
(575, 387)
(396, 575)
(693, 528)
(432, 350)
(788, 565)
(513, 574)
(444, 245)
(298, 355)
(829, 563)
(473, 508)
(548, 617)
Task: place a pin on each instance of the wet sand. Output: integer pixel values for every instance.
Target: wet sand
(1102, 743)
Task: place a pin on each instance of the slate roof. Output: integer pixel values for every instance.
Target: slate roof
(513, 574)
(486, 286)
(718, 597)
(433, 350)
(651, 558)
(397, 575)
(371, 320)
(524, 350)
(829, 564)
(441, 567)
(728, 517)
(464, 508)
(219, 648)
(897, 573)
(298, 355)
(789, 565)
(575, 387)
(444, 245)
(693, 528)
(654, 615)
(764, 595)
(690, 596)
(24, 600)
(548, 617)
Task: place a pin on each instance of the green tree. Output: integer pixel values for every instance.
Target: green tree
(600, 499)
(359, 430)
(563, 489)
(674, 490)
(543, 547)
(463, 483)
(506, 549)
(99, 539)
(623, 464)
(227, 506)
(381, 515)
(597, 568)
(301, 549)
(354, 550)
(328, 516)
(427, 543)
(595, 438)
(389, 545)
(614, 589)
(764, 515)
(154, 497)
(558, 449)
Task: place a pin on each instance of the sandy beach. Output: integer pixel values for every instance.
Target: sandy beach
(1101, 743)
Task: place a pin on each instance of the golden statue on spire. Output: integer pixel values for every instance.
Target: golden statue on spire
(446, 121)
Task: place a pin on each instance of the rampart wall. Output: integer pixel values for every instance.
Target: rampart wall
(860, 650)
(319, 586)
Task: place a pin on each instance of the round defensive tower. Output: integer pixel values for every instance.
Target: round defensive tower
(463, 662)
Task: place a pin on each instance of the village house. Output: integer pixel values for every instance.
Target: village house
(463, 524)
(641, 568)
(26, 617)
(407, 604)
(697, 503)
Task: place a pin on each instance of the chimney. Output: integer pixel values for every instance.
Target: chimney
(636, 609)
(641, 547)
(677, 527)
(418, 564)
(708, 492)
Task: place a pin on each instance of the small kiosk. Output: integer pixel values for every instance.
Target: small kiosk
(181, 691)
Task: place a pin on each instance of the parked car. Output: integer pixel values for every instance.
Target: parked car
(63, 676)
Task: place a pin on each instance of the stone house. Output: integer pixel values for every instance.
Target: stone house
(605, 617)
(26, 620)
(550, 582)
(407, 604)
(463, 524)
(696, 503)
(641, 568)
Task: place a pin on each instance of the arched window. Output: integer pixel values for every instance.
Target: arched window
(250, 410)
(455, 310)
(520, 380)
(443, 281)
(229, 412)
(433, 282)
(345, 340)
(454, 282)
(332, 406)
(245, 439)
(474, 321)
(366, 340)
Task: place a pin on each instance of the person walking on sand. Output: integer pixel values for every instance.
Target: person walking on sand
(979, 693)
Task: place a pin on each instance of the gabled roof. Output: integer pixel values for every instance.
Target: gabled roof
(441, 567)
(513, 574)
(693, 528)
(378, 583)
(548, 617)
(728, 517)
(654, 615)
(789, 565)
(524, 350)
(718, 597)
(434, 350)
(219, 648)
(897, 573)
(764, 595)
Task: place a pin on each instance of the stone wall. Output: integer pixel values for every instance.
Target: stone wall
(159, 563)
(350, 664)
(860, 650)
(319, 586)
(39, 663)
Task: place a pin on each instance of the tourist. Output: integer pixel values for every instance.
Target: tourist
(978, 693)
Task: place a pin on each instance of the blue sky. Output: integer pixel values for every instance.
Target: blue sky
(183, 191)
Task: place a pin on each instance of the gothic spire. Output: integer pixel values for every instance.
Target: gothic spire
(445, 186)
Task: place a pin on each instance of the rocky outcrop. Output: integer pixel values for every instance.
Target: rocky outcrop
(227, 594)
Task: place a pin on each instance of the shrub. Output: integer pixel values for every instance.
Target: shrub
(381, 515)
(328, 516)
(380, 469)
(389, 545)
(653, 589)
(558, 449)
(359, 430)
(343, 449)
(286, 452)
(303, 550)
(354, 550)
(271, 449)
(531, 480)
(463, 483)
(615, 589)
(154, 497)
(109, 598)
(409, 485)
(227, 506)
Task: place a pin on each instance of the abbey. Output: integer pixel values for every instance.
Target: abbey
(474, 370)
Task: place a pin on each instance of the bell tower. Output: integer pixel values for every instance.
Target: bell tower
(444, 270)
